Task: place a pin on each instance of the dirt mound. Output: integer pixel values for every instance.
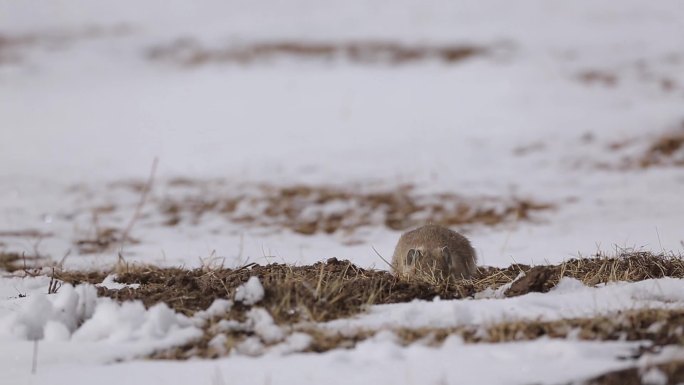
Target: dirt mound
(334, 289)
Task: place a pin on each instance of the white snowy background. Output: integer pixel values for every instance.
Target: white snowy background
(84, 109)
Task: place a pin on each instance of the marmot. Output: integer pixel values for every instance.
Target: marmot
(435, 251)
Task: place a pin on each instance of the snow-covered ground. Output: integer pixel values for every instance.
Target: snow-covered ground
(79, 332)
(571, 90)
(91, 108)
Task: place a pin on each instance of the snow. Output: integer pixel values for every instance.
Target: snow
(74, 325)
(110, 283)
(250, 292)
(454, 128)
(217, 308)
(262, 323)
(69, 307)
(80, 331)
(382, 362)
(83, 110)
(569, 301)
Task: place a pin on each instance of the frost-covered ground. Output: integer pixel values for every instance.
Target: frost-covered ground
(559, 112)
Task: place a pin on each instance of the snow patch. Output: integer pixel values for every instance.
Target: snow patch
(250, 292)
(217, 308)
(77, 314)
(568, 285)
(110, 283)
(571, 300)
(261, 322)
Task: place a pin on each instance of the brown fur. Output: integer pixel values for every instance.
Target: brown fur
(435, 251)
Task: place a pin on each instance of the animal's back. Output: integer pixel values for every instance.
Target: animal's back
(432, 241)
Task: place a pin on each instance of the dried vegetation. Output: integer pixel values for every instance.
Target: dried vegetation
(668, 149)
(189, 52)
(307, 209)
(669, 373)
(11, 262)
(13, 47)
(665, 149)
(335, 289)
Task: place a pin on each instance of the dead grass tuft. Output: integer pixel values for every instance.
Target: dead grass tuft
(661, 327)
(104, 239)
(668, 149)
(337, 289)
(673, 371)
(13, 47)
(11, 262)
(308, 210)
(665, 149)
(598, 77)
(189, 52)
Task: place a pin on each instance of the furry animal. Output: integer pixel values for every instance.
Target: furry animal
(435, 251)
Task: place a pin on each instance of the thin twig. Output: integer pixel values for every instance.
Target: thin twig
(383, 259)
(143, 199)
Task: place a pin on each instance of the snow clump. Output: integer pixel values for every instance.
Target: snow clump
(250, 292)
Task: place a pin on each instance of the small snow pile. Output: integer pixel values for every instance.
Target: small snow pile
(110, 283)
(260, 322)
(217, 308)
(130, 321)
(218, 343)
(77, 314)
(267, 336)
(568, 285)
(51, 317)
(294, 343)
(250, 292)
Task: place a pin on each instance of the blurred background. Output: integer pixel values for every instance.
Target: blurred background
(295, 131)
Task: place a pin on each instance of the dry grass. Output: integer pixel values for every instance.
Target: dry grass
(667, 149)
(13, 47)
(661, 327)
(11, 262)
(103, 239)
(336, 289)
(310, 209)
(673, 371)
(598, 77)
(189, 52)
(319, 292)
